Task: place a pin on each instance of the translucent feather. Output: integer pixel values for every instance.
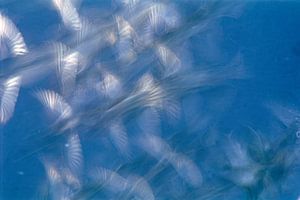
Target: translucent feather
(119, 137)
(111, 180)
(9, 94)
(149, 121)
(110, 86)
(55, 103)
(186, 169)
(168, 59)
(159, 18)
(153, 92)
(68, 14)
(58, 189)
(11, 36)
(140, 188)
(68, 64)
(71, 179)
(127, 40)
(155, 146)
(74, 152)
(130, 5)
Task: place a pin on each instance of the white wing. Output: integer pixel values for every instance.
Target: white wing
(237, 154)
(69, 71)
(129, 5)
(68, 64)
(186, 169)
(110, 86)
(159, 18)
(155, 146)
(58, 190)
(71, 179)
(149, 121)
(285, 114)
(53, 173)
(9, 32)
(153, 92)
(74, 152)
(55, 103)
(68, 14)
(127, 40)
(119, 137)
(140, 188)
(111, 180)
(9, 95)
(168, 59)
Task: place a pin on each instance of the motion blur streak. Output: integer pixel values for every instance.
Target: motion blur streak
(148, 99)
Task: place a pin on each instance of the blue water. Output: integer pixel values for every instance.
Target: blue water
(263, 37)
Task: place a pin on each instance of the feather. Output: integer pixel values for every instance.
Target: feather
(153, 92)
(159, 18)
(130, 5)
(186, 169)
(9, 95)
(9, 32)
(110, 86)
(140, 188)
(119, 137)
(55, 103)
(127, 40)
(68, 13)
(58, 189)
(71, 179)
(53, 174)
(168, 59)
(74, 153)
(285, 114)
(155, 146)
(149, 121)
(68, 64)
(155, 15)
(136, 186)
(110, 179)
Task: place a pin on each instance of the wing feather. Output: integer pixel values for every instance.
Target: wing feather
(11, 36)
(68, 13)
(55, 103)
(75, 158)
(9, 95)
